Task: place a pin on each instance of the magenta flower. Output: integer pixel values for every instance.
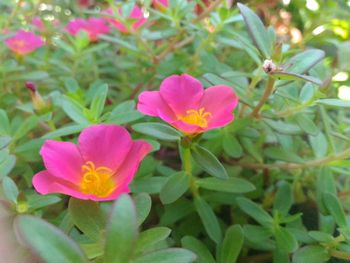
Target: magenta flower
(93, 26)
(99, 168)
(136, 16)
(184, 104)
(24, 42)
(38, 23)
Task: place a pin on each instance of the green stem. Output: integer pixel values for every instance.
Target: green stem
(186, 159)
(269, 89)
(340, 254)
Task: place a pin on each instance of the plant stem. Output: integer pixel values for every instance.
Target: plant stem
(340, 254)
(187, 165)
(264, 98)
(291, 166)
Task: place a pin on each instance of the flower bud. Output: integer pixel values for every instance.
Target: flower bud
(38, 102)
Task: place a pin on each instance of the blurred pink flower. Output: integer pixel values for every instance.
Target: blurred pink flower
(93, 26)
(38, 23)
(160, 4)
(184, 104)
(136, 16)
(99, 168)
(24, 42)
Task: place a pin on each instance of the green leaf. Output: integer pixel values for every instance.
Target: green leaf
(158, 130)
(319, 144)
(120, 42)
(232, 244)
(284, 128)
(256, 30)
(5, 141)
(6, 164)
(279, 153)
(209, 219)
(311, 254)
(294, 76)
(87, 216)
(98, 102)
(336, 103)
(306, 124)
(169, 255)
(121, 231)
(321, 236)
(176, 185)
(285, 240)
(304, 61)
(231, 146)
(49, 242)
(255, 211)
(143, 204)
(5, 123)
(75, 111)
(325, 183)
(208, 162)
(10, 189)
(26, 126)
(251, 148)
(200, 249)
(39, 201)
(124, 113)
(231, 185)
(64, 131)
(151, 237)
(334, 207)
(283, 198)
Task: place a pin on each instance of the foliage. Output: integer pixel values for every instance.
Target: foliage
(272, 186)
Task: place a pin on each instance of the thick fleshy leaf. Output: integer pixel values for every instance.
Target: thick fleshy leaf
(87, 216)
(199, 248)
(175, 186)
(150, 238)
(311, 254)
(255, 211)
(158, 130)
(232, 244)
(121, 231)
(49, 242)
(335, 208)
(208, 162)
(209, 219)
(170, 255)
(256, 30)
(143, 203)
(231, 185)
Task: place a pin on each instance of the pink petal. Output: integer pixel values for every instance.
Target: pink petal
(45, 183)
(62, 160)
(152, 104)
(181, 92)
(127, 170)
(220, 101)
(105, 145)
(186, 128)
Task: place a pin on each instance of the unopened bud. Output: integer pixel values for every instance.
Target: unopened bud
(269, 66)
(38, 102)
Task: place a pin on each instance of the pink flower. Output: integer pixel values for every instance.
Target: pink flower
(99, 168)
(184, 104)
(38, 23)
(160, 4)
(24, 42)
(136, 15)
(93, 26)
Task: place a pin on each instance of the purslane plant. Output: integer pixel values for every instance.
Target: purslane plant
(218, 139)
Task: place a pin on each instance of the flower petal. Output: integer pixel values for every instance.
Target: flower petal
(127, 170)
(151, 103)
(105, 145)
(220, 101)
(62, 160)
(181, 93)
(45, 183)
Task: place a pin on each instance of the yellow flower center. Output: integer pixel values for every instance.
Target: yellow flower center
(196, 117)
(97, 181)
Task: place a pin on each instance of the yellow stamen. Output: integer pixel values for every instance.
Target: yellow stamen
(97, 181)
(196, 117)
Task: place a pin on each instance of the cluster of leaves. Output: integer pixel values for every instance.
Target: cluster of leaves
(271, 186)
